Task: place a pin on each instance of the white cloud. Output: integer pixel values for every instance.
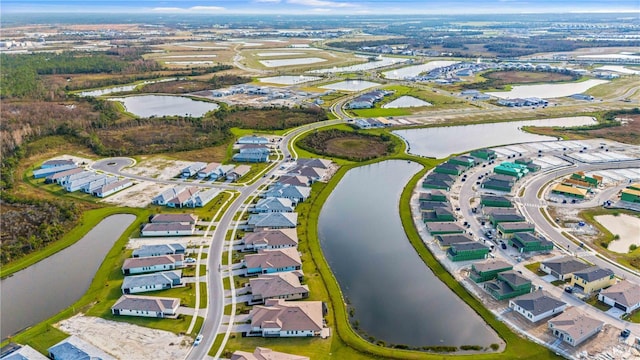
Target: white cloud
(206, 8)
(267, 1)
(321, 10)
(321, 3)
(198, 9)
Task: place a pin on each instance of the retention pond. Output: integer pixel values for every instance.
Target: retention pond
(396, 297)
(43, 289)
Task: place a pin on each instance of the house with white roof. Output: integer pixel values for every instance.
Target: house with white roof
(296, 194)
(193, 169)
(537, 305)
(151, 282)
(149, 264)
(272, 221)
(271, 204)
(261, 353)
(167, 195)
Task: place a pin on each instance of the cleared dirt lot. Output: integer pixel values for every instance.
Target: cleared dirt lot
(158, 168)
(126, 341)
(138, 195)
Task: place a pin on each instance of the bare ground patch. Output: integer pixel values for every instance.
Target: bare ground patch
(138, 195)
(158, 168)
(127, 341)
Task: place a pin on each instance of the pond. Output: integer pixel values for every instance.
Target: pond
(291, 62)
(45, 288)
(288, 79)
(396, 297)
(620, 69)
(415, 70)
(405, 102)
(627, 227)
(123, 88)
(165, 105)
(272, 54)
(547, 91)
(440, 142)
(350, 85)
(378, 63)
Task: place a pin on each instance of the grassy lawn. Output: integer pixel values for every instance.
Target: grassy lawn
(593, 301)
(634, 317)
(535, 268)
(186, 294)
(203, 294)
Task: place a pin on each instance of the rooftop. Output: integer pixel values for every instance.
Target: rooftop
(593, 273)
(570, 190)
(261, 353)
(166, 277)
(75, 348)
(146, 303)
(575, 323)
(277, 237)
(288, 315)
(624, 292)
(274, 285)
(277, 258)
(538, 302)
(491, 265)
(133, 263)
(565, 265)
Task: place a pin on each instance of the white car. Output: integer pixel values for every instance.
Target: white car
(189, 260)
(198, 340)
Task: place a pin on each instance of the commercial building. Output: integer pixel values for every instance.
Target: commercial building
(570, 191)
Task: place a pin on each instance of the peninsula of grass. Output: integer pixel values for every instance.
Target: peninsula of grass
(503, 80)
(349, 145)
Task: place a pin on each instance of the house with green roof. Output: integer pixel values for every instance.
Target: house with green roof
(439, 228)
(527, 242)
(495, 201)
(466, 161)
(511, 169)
(531, 166)
(488, 270)
(450, 168)
(630, 195)
(467, 251)
(498, 182)
(498, 218)
(445, 241)
(507, 285)
(435, 195)
(442, 214)
(508, 229)
(484, 154)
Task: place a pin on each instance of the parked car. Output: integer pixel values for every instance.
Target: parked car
(568, 289)
(503, 246)
(198, 340)
(625, 333)
(189, 260)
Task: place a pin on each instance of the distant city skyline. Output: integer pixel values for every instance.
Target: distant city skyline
(320, 7)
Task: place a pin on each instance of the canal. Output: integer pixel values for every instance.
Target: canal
(45, 288)
(396, 297)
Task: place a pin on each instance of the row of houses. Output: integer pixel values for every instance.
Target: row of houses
(73, 178)
(518, 102)
(215, 171)
(368, 100)
(185, 196)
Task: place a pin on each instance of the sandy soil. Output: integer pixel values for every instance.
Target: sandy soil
(127, 341)
(625, 226)
(158, 168)
(138, 195)
(187, 241)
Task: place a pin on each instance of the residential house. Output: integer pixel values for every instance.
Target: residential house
(280, 318)
(498, 218)
(295, 180)
(593, 279)
(74, 348)
(511, 169)
(159, 250)
(238, 172)
(208, 170)
(272, 261)
(527, 242)
(193, 169)
(440, 228)
(167, 195)
(251, 156)
(270, 239)
(112, 188)
(252, 139)
(21, 352)
(261, 353)
(150, 264)
(63, 181)
(78, 184)
(146, 306)
(283, 285)
(435, 195)
(151, 282)
(450, 168)
(563, 268)
(495, 201)
(507, 230)
(624, 295)
(296, 194)
(185, 197)
(272, 221)
(484, 154)
(537, 305)
(488, 270)
(439, 214)
(270, 204)
(592, 181)
(467, 251)
(222, 171)
(202, 198)
(432, 183)
(488, 211)
(56, 177)
(45, 172)
(507, 285)
(174, 218)
(167, 229)
(315, 174)
(57, 163)
(445, 241)
(574, 327)
(89, 188)
(498, 184)
(630, 195)
(528, 162)
(426, 206)
(314, 163)
(466, 161)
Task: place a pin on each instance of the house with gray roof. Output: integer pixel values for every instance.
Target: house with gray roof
(151, 282)
(174, 218)
(507, 285)
(296, 194)
(270, 239)
(159, 250)
(78, 184)
(537, 305)
(167, 229)
(271, 204)
(202, 198)
(45, 172)
(21, 352)
(261, 353)
(74, 348)
(114, 187)
(72, 177)
(151, 264)
(167, 195)
(182, 199)
(315, 174)
(238, 172)
(55, 178)
(295, 180)
(89, 188)
(563, 268)
(280, 318)
(146, 306)
(272, 221)
(593, 279)
(283, 285)
(193, 169)
(488, 270)
(445, 241)
(314, 163)
(624, 295)
(272, 261)
(574, 327)
(56, 163)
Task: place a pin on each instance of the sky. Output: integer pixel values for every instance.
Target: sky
(328, 7)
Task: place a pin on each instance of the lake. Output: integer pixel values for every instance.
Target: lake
(350, 85)
(405, 102)
(440, 142)
(380, 62)
(547, 91)
(123, 88)
(45, 288)
(165, 105)
(291, 62)
(288, 79)
(396, 297)
(415, 70)
(620, 69)
(272, 54)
